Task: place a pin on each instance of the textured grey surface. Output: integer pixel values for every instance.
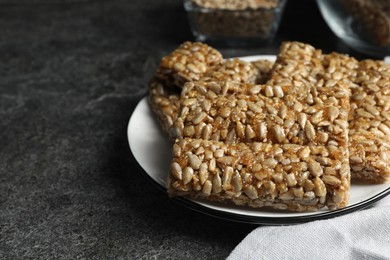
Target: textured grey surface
(70, 77)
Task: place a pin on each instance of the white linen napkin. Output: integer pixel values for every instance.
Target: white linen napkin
(363, 234)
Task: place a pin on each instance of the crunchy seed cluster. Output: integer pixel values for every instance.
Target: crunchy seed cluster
(370, 122)
(369, 118)
(228, 112)
(373, 17)
(274, 112)
(190, 61)
(164, 103)
(285, 176)
(164, 93)
(284, 135)
(233, 116)
(301, 70)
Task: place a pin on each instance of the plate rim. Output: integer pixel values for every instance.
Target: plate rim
(262, 220)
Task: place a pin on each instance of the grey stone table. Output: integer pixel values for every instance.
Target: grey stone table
(71, 73)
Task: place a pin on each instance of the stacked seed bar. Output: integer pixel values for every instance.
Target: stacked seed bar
(191, 62)
(240, 113)
(164, 102)
(283, 143)
(187, 63)
(370, 122)
(274, 112)
(225, 117)
(286, 176)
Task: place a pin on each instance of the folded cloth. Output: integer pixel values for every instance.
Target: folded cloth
(360, 235)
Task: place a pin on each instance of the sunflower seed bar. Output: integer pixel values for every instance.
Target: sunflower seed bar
(186, 63)
(164, 95)
(165, 100)
(233, 112)
(164, 103)
(369, 82)
(295, 69)
(190, 61)
(300, 69)
(370, 122)
(287, 177)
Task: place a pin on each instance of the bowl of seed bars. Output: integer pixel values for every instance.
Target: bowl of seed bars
(288, 133)
(234, 22)
(362, 24)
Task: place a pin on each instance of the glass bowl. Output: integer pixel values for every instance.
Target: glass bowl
(235, 24)
(364, 25)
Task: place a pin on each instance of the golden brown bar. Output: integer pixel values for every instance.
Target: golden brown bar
(287, 177)
(301, 69)
(220, 111)
(165, 104)
(164, 89)
(369, 115)
(370, 122)
(189, 62)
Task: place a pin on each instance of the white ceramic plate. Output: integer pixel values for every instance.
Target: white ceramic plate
(152, 150)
